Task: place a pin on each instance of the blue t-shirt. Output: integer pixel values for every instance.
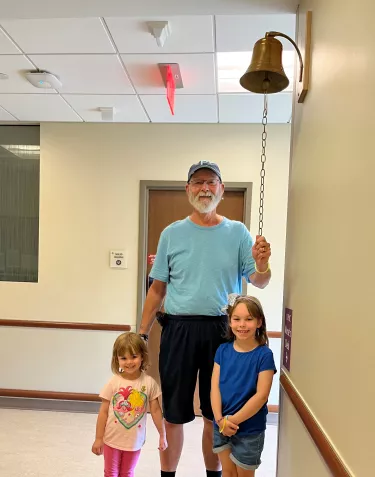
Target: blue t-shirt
(202, 265)
(238, 382)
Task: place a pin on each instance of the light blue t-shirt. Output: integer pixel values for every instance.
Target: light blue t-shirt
(202, 265)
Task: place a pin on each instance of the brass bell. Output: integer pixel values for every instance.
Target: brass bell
(266, 72)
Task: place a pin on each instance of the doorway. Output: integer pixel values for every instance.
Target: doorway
(161, 204)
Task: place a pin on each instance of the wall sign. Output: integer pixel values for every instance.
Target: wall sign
(118, 259)
(287, 349)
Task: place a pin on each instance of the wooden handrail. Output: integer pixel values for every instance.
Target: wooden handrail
(65, 325)
(35, 394)
(274, 334)
(330, 456)
(83, 326)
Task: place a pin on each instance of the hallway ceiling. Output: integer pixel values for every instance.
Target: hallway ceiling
(112, 62)
(130, 8)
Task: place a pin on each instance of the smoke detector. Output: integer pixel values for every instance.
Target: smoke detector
(43, 79)
(160, 31)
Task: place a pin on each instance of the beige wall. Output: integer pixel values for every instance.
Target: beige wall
(298, 456)
(89, 205)
(330, 236)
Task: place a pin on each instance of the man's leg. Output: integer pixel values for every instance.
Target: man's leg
(210, 459)
(170, 458)
(178, 366)
(211, 337)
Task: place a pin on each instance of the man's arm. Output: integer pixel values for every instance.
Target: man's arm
(255, 259)
(153, 302)
(260, 280)
(261, 252)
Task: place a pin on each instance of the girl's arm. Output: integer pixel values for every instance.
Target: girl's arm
(101, 422)
(157, 417)
(228, 428)
(215, 394)
(258, 400)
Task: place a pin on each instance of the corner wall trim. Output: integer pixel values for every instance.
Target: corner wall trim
(330, 456)
(66, 325)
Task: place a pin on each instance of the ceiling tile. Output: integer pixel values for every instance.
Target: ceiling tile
(188, 109)
(5, 116)
(15, 66)
(38, 107)
(71, 8)
(7, 47)
(189, 34)
(240, 32)
(197, 71)
(248, 108)
(128, 108)
(59, 35)
(87, 74)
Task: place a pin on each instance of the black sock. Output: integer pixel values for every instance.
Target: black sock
(167, 474)
(213, 473)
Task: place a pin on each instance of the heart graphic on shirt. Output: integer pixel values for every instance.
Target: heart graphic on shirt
(129, 406)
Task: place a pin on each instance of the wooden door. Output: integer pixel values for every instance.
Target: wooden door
(165, 207)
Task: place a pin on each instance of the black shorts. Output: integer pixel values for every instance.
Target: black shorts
(188, 346)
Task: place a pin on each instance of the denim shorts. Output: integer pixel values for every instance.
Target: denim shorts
(246, 449)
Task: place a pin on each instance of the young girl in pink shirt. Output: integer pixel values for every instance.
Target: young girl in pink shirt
(121, 424)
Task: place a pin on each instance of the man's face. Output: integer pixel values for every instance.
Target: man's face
(204, 191)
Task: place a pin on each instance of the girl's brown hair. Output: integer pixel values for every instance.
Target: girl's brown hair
(256, 311)
(129, 343)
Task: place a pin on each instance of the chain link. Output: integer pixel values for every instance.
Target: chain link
(263, 162)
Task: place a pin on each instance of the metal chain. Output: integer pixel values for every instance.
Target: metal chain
(263, 161)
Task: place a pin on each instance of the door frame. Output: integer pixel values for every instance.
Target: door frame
(145, 187)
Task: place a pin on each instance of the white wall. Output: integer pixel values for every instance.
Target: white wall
(55, 360)
(89, 205)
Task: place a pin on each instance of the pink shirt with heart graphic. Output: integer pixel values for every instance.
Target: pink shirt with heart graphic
(126, 424)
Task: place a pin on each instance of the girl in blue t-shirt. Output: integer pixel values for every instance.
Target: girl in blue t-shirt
(241, 382)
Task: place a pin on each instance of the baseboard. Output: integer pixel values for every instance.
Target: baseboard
(58, 395)
(48, 405)
(69, 402)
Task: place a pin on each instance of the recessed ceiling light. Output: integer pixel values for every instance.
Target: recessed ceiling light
(43, 79)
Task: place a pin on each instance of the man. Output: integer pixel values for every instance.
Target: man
(200, 260)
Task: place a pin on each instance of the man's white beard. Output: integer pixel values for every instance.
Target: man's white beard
(206, 206)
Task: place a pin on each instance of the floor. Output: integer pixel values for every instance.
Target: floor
(58, 444)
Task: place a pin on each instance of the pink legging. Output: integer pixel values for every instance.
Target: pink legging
(118, 463)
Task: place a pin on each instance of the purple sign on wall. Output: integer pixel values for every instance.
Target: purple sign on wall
(287, 338)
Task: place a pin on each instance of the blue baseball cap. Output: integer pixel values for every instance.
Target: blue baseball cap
(204, 165)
